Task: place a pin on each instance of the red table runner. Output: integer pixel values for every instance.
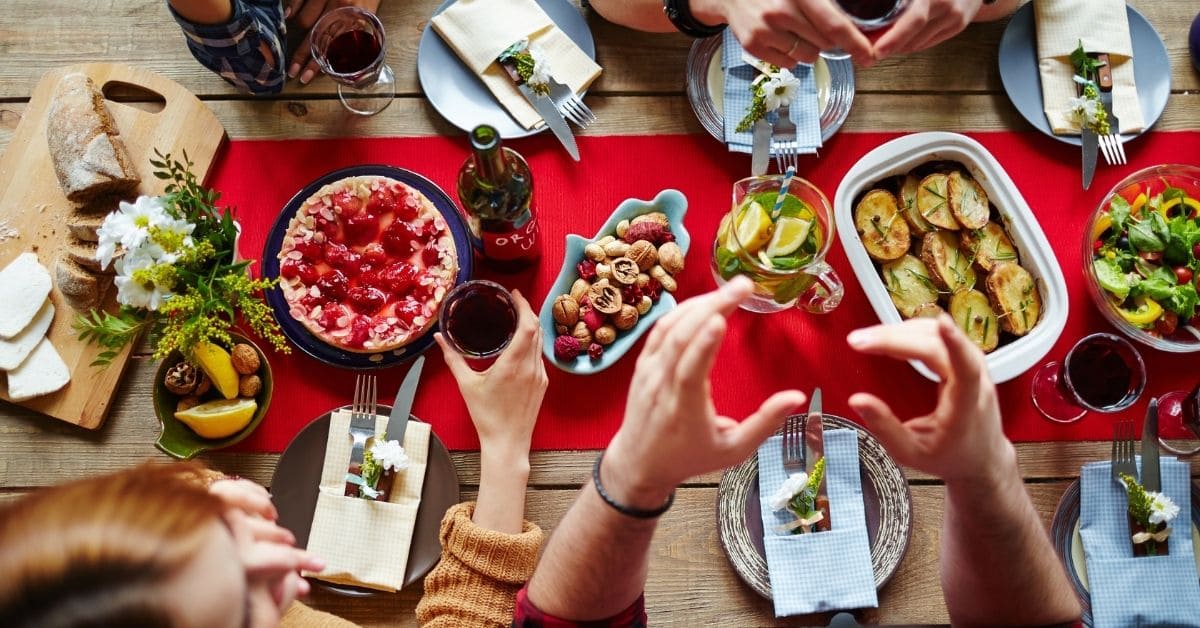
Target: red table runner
(762, 353)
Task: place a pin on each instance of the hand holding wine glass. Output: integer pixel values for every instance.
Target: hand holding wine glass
(305, 14)
(784, 32)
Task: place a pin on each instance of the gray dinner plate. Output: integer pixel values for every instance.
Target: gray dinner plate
(461, 97)
(1023, 83)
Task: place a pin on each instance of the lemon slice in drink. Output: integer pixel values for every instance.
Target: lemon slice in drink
(219, 419)
(218, 365)
(753, 227)
(790, 233)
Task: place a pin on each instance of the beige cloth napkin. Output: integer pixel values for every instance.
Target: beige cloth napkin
(479, 30)
(363, 542)
(1102, 26)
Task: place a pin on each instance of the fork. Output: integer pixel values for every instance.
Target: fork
(793, 445)
(362, 416)
(570, 105)
(1123, 461)
(783, 141)
(1110, 145)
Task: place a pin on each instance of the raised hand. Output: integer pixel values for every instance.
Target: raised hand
(925, 24)
(784, 32)
(304, 14)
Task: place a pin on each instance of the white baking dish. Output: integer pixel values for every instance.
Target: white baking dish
(902, 155)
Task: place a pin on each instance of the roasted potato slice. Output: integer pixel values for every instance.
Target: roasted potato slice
(908, 282)
(933, 201)
(929, 310)
(908, 197)
(972, 312)
(989, 245)
(1015, 296)
(968, 201)
(949, 267)
(884, 233)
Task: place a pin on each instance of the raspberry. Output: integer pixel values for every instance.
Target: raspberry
(566, 348)
(652, 231)
(590, 317)
(587, 270)
(631, 294)
(653, 289)
(595, 351)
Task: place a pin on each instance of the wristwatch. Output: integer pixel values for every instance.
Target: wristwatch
(681, 16)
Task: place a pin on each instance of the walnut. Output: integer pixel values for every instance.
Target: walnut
(659, 274)
(644, 253)
(624, 270)
(579, 290)
(626, 318)
(603, 271)
(249, 385)
(562, 330)
(622, 227)
(187, 403)
(181, 379)
(245, 359)
(606, 335)
(605, 298)
(566, 310)
(582, 333)
(644, 305)
(658, 217)
(594, 252)
(203, 385)
(670, 257)
(616, 248)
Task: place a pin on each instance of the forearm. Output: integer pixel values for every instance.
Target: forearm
(204, 11)
(503, 478)
(991, 528)
(996, 10)
(647, 15)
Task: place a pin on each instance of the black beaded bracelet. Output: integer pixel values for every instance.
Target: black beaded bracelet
(680, 14)
(628, 511)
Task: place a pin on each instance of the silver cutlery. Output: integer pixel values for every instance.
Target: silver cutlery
(760, 149)
(1114, 149)
(570, 105)
(402, 407)
(1151, 479)
(1123, 460)
(793, 445)
(545, 108)
(362, 416)
(783, 141)
(814, 444)
(1090, 143)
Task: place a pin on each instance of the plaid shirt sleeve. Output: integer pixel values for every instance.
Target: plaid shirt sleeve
(248, 50)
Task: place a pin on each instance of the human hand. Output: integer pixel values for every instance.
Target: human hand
(505, 399)
(305, 14)
(272, 566)
(671, 430)
(244, 495)
(962, 439)
(925, 24)
(785, 32)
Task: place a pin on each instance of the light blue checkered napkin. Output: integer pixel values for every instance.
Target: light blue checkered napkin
(1147, 590)
(822, 571)
(738, 76)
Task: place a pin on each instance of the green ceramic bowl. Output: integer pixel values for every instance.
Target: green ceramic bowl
(179, 440)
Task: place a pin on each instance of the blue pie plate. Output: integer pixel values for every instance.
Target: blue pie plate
(296, 332)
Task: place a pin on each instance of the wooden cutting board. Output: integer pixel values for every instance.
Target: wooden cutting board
(33, 205)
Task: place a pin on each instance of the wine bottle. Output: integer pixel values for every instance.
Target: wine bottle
(495, 188)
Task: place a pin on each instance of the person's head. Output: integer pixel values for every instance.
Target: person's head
(143, 547)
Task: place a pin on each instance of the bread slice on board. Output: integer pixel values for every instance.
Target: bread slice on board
(89, 157)
(14, 350)
(84, 253)
(42, 373)
(82, 288)
(83, 225)
(24, 284)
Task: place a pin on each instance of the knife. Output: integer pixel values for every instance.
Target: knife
(1104, 80)
(545, 108)
(814, 450)
(1151, 480)
(398, 419)
(760, 155)
(1091, 145)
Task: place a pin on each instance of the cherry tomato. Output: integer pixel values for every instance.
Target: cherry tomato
(1183, 275)
(1097, 245)
(1196, 250)
(1167, 323)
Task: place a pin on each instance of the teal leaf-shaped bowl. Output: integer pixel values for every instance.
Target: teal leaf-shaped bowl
(670, 202)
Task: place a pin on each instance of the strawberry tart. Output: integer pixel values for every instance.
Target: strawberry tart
(365, 264)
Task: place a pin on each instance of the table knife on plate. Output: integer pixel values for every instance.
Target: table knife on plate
(1151, 479)
(814, 450)
(402, 408)
(760, 149)
(1091, 146)
(545, 108)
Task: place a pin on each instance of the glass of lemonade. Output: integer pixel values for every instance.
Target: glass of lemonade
(783, 253)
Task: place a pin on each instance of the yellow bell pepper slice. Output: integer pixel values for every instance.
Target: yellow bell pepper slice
(1165, 208)
(1193, 203)
(1148, 310)
(1102, 225)
(1138, 203)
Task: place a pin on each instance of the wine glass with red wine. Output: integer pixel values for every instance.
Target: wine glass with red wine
(1101, 373)
(867, 15)
(350, 46)
(478, 319)
(1179, 422)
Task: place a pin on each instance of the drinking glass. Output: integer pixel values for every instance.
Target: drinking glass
(478, 319)
(1179, 422)
(868, 16)
(350, 46)
(1101, 373)
(782, 278)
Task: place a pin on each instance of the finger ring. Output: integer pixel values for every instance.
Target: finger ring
(793, 48)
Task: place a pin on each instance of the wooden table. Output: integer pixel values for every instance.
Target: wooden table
(955, 87)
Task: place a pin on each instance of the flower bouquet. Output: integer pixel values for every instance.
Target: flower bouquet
(1150, 514)
(177, 275)
(381, 461)
(799, 495)
(775, 87)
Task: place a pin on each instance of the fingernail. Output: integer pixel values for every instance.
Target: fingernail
(859, 338)
(293, 70)
(287, 12)
(306, 77)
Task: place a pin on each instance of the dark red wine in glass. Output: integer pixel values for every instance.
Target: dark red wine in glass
(1101, 373)
(352, 52)
(350, 45)
(479, 319)
(1179, 422)
(868, 9)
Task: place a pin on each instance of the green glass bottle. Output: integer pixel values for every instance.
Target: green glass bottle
(495, 188)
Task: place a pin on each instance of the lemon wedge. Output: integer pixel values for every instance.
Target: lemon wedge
(216, 363)
(753, 227)
(220, 418)
(790, 233)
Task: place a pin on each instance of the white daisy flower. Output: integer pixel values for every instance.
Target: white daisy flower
(780, 89)
(789, 489)
(541, 67)
(1162, 508)
(390, 455)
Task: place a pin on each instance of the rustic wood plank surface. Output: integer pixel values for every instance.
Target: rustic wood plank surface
(690, 581)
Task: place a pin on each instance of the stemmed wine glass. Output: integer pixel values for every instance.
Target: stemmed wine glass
(1179, 420)
(350, 46)
(1101, 373)
(867, 15)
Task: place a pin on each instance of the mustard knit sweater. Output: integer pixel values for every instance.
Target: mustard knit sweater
(475, 584)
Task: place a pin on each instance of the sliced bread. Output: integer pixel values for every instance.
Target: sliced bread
(84, 225)
(42, 373)
(89, 157)
(81, 288)
(24, 284)
(14, 350)
(84, 254)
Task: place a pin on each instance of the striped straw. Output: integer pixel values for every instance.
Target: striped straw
(783, 188)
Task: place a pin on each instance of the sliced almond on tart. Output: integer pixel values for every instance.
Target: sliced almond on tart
(968, 201)
(909, 284)
(949, 267)
(1015, 296)
(989, 245)
(908, 198)
(883, 231)
(972, 312)
(933, 201)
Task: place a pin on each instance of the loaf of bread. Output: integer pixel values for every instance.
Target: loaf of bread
(88, 157)
(82, 288)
